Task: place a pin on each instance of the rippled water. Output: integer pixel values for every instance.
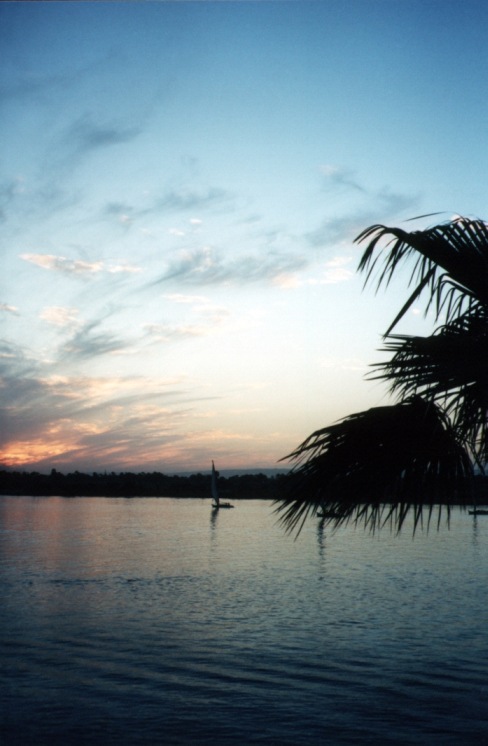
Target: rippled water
(147, 621)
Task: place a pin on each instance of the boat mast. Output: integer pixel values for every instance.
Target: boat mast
(215, 493)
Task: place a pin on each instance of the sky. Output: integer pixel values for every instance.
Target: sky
(180, 188)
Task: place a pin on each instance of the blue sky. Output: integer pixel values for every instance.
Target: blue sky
(181, 184)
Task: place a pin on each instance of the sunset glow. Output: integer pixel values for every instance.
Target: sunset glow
(181, 188)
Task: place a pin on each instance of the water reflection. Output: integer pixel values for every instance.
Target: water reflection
(321, 538)
(214, 515)
(475, 530)
(138, 621)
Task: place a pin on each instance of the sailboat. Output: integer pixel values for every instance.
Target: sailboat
(476, 510)
(215, 493)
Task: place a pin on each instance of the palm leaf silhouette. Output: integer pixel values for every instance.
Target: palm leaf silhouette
(377, 466)
(450, 368)
(405, 455)
(451, 260)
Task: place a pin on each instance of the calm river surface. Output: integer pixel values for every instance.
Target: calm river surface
(150, 621)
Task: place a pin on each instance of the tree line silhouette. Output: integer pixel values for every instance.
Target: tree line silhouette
(138, 484)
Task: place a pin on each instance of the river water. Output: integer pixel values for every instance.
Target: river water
(154, 621)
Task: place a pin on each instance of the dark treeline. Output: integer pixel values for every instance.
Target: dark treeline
(129, 484)
(156, 484)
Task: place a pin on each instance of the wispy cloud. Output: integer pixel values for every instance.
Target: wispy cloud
(123, 213)
(7, 308)
(173, 201)
(206, 266)
(85, 135)
(88, 422)
(59, 315)
(191, 199)
(381, 206)
(189, 299)
(25, 400)
(195, 225)
(62, 264)
(394, 203)
(210, 313)
(335, 176)
(87, 342)
(15, 361)
(10, 189)
(76, 267)
(115, 269)
(172, 333)
(335, 271)
(79, 140)
(39, 86)
(28, 86)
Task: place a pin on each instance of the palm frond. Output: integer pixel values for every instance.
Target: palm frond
(449, 367)
(450, 258)
(379, 466)
(405, 455)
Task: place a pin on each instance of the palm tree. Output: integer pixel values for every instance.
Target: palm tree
(378, 465)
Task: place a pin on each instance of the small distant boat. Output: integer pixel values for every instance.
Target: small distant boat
(477, 511)
(217, 504)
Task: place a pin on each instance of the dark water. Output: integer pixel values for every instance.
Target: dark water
(144, 621)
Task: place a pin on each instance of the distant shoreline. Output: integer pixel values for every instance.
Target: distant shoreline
(133, 485)
(237, 498)
(245, 486)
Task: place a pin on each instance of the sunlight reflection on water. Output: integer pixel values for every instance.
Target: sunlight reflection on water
(153, 621)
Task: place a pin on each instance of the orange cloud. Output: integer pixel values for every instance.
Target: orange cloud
(25, 452)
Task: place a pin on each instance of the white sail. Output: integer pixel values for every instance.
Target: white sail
(215, 494)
